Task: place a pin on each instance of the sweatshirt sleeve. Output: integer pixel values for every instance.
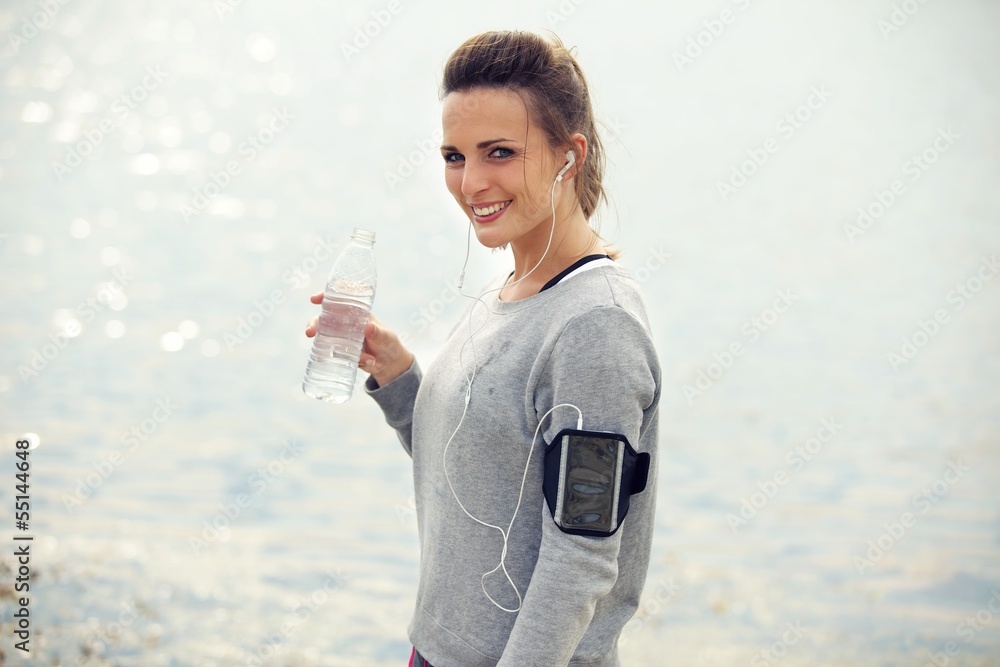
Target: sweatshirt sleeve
(396, 400)
(605, 364)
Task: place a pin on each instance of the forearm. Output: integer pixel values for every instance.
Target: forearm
(603, 364)
(396, 399)
(573, 573)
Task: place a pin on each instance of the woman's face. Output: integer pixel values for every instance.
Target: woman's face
(498, 166)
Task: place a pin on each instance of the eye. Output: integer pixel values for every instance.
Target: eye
(502, 153)
(453, 157)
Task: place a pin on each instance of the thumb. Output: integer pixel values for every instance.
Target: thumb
(376, 332)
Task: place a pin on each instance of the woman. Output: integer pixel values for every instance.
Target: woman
(563, 337)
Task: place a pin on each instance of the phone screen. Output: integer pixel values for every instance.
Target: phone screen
(590, 475)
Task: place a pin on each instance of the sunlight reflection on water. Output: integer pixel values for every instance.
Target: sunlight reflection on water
(159, 355)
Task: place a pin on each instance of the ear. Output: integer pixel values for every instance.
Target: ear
(578, 144)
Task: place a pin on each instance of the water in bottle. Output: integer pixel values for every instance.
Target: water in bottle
(347, 301)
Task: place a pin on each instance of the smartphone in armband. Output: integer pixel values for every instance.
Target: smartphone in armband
(588, 480)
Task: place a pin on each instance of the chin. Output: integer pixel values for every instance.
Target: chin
(490, 238)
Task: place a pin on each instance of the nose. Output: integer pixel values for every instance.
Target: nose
(474, 178)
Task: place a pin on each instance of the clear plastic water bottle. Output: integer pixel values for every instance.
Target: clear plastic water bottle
(347, 301)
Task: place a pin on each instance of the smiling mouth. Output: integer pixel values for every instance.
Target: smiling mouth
(491, 209)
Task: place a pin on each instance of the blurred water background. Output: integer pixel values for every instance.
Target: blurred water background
(175, 177)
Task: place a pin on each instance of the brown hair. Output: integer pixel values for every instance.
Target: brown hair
(552, 85)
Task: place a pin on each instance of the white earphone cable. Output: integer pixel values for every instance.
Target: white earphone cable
(468, 396)
(504, 533)
(479, 299)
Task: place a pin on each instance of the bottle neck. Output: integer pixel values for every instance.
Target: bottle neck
(363, 237)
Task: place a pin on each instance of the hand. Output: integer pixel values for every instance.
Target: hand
(382, 355)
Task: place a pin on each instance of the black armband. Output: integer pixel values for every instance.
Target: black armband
(589, 478)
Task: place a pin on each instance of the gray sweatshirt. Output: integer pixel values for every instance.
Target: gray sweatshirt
(584, 341)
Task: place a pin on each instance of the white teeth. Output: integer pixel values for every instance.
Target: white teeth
(490, 210)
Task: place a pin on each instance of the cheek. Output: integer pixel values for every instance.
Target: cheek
(536, 197)
(453, 181)
(534, 188)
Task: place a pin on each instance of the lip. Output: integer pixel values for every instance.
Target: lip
(491, 217)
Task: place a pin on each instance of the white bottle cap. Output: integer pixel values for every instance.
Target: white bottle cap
(364, 235)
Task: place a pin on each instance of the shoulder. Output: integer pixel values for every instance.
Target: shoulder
(593, 301)
(602, 315)
(602, 340)
(603, 294)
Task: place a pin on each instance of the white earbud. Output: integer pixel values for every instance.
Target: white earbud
(570, 159)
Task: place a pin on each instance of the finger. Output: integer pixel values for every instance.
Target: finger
(376, 334)
(366, 361)
(311, 328)
(317, 297)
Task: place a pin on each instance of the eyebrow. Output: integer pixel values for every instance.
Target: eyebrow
(481, 145)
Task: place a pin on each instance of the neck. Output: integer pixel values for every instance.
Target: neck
(572, 239)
